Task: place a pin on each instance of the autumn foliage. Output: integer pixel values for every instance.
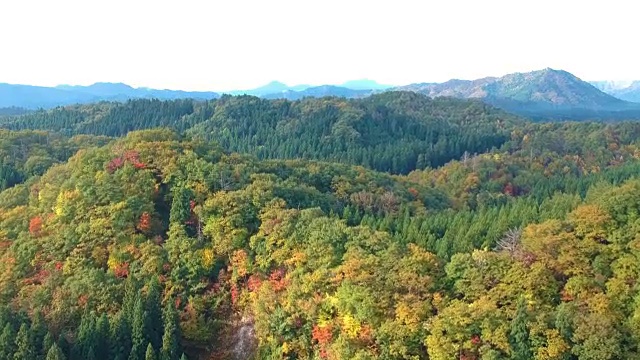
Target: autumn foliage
(35, 226)
(144, 224)
(130, 156)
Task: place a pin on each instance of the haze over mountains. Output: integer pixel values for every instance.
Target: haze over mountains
(542, 94)
(625, 90)
(33, 97)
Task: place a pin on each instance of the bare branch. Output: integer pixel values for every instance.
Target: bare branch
(510, 242)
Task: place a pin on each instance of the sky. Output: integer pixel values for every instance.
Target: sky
(242, 44)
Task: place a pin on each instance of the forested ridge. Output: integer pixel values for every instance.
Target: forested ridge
(396, 132)
(513, 240)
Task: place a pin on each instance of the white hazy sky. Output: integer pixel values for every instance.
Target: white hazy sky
(222, 45)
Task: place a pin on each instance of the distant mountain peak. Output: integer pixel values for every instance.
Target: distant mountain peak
(364, 84)
(628, 90)
(539, 91)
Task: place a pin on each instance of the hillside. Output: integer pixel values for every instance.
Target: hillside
(13, 111)
(395, 131)
(167, 244)
(539, 94)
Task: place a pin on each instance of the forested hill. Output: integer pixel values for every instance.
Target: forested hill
(395, 131)
(152, 245)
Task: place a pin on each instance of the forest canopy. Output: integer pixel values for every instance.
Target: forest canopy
(314, 229)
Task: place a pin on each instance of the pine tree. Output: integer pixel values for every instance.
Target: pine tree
(130, 296)
(135, 352)
(64, 345)
(102, 337)
(25, 350)
(150, 354)
(138, 338)
(47, 342)
(38, 331)
(180, 210)
(120, 337)
(519, 334)
(91, 355)
(86, 338)
(55, 353)
(183, 357)
(170, 339)
(154, 314)
(7, 342)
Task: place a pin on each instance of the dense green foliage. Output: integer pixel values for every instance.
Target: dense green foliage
(29, 153)
(163, 245)
(396, 132)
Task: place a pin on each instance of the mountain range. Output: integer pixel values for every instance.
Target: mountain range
(276, 89)
(538, 94)
(33, 97)
(541, 94)
(625, 90)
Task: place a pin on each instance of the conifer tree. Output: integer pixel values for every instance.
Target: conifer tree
(91, 355)
(47, 342)
(138, 338)
(38, 331)
(64, 346)
(86, 337)
(7, 342)
(101, 346)
(24, 347)
(119, 337)
(130, 296)
(154, 314)
(55, 353)
(180, 210)
(519, 334)
(150, 354)
(170, 339)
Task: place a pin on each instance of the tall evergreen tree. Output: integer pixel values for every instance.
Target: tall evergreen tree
(154, 313)
(86, 337)
(64, 346)
(24, 348)
(519, 334)
(120, 337)
(150, 354)
(101, 346)
(170, 339)
(55, 353)
(91, 355)
(38, 331)
(47, 342)
(180, 209)
(138, 337)
(7, 342)
(130, 296)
